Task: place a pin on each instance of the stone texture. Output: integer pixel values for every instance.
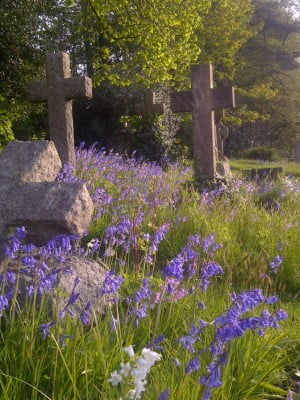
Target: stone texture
(58, 90)
(29, 196)
(36, 161)
(45, 208)
(149, 106)
(223, 169)
(297, 151)
(91, 276)
(202, 100)
(263, 173)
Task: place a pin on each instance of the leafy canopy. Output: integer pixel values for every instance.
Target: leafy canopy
(145, 42)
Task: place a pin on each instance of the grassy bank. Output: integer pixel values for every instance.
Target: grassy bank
(200, 284)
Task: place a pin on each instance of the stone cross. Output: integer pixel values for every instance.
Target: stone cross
(297, 151)
(202, 100)
(148, 106)
(58, 90)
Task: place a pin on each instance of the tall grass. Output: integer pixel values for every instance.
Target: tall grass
(183, 268)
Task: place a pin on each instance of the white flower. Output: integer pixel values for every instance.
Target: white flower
(139, 372)
(125, 369)
(115, 378)
(129, 351)
(150, 356)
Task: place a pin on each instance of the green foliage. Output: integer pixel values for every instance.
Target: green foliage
(268, 79)
(144, 42)
(260, 153)
(6, 117)
(226, 29)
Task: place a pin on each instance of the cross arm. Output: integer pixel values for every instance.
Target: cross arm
(222, 97)
(80, 86)
(181, 102)
(37, 91)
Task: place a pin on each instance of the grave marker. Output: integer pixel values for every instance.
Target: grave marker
(202, 100)
(149, 106)
(297, 151)
(58, 90)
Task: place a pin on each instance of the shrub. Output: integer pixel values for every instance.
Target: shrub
(260, 153)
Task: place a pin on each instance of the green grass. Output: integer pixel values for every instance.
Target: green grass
(239, 165)
(251, 234)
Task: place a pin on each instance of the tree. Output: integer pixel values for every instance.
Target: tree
(143, 42)
(268, 77)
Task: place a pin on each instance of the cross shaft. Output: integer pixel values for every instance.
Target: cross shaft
(202, 100)
(58, 90)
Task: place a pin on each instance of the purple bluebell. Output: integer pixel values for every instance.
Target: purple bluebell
(46, 328)
(143, 293)
(193, 365)
(281, 315)
(62, 338)
(207, 271)
(4, 303)
(111, 283)
(174, 268)
(165, 395)
(188, 342)
(275, 264)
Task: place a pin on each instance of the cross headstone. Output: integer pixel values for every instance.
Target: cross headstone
(30, 196)
(202, 100)
(149, 106)
(297, 151)
(58, 90)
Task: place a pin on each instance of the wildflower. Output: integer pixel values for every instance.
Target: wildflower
(144, 292)
(188, 343)
(281, 314)
(165, 395)
(275, 264)
(129, 351)
(111, 284)
(209, 270)
(193, 365)
(115, 378)
(46, 328)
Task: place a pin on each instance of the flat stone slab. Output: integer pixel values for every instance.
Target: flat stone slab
(263, 173)
(36, 161)
(45, 208)
(297, 151)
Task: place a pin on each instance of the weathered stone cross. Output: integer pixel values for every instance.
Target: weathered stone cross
(201, 101)
(148, 106)
(58, 90)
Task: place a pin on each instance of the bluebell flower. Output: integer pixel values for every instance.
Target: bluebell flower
(111, 283)
(188, 342)
(193, 365)
(174, 268)
(275, 264)
(46, 328)
(207, 271)
(4, 303)
(143, 293)
(281, 315)
(165, 395)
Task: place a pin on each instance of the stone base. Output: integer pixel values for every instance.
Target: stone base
(263, 173)
(223, 169)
